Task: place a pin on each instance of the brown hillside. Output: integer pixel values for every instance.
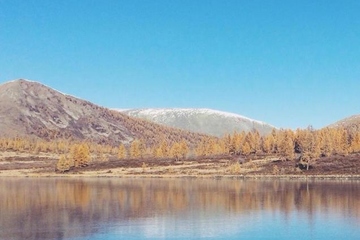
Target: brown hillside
(30, 109)
(351, 123)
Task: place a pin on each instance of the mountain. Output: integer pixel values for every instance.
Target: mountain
(206, 121)
(352, 122)
(31, 109)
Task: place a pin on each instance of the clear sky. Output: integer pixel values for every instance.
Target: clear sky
(290, 63)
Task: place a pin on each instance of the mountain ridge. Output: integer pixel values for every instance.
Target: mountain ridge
(201, 120)
(352, 122)
(32, 109)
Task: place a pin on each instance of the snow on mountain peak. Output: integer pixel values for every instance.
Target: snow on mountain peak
(188, 111)
(203, 120)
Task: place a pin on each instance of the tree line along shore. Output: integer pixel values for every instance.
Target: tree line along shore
(302, 146)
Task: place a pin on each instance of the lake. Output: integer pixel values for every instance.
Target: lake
(122, 208)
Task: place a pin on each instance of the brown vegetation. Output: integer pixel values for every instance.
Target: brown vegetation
(282, 152)
(32, 110)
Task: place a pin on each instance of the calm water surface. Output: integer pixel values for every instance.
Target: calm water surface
(80, 209)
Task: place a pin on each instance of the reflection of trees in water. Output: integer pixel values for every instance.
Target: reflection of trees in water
(57, 208)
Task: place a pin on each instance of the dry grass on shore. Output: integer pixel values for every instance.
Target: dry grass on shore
(31, 165)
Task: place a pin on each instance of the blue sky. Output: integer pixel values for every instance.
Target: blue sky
(289, 63)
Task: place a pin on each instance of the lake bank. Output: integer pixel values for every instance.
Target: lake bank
(335, 167)
(114, 174)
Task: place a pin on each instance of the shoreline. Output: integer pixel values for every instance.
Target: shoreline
(21, 173)
(342, 168)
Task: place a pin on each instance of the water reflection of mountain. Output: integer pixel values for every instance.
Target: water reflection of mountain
(63, 208)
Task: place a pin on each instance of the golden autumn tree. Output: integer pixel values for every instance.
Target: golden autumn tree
(219, 148)
(355, 143)
(237, 141)
(253, 140)
(184, 149)
(256, 140)
(85, 154)
(341, 141)
(300, 139)
(64, 164)
(310, 148)
(164, 148)
(267, 144)
(210, 147)
(201, 147)
(74, 155)
(122, 152)
(80, 154)
(227, 143)
(326, 142)
(136, 149)
(161, 150)
(344, 145)
(286, 145)
(156, 152)
(61, 147)
(246, 149)
(175, 151)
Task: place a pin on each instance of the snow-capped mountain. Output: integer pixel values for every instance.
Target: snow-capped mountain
(202, 120)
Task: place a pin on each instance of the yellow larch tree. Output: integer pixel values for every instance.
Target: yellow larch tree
(184, 149)
(253, 139)
(122, 152)
(344, 146)
(326, 142)
(355, 143)
(246, 149)
(267, 144)
(237, 141)
(64, 164)
(201, 147)
(175, 151)
(161, 150)
(286, 145)
(137, 149)
(80, 154)
(310, 148)
(164, 148)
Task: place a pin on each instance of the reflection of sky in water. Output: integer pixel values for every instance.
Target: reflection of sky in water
(222, 225)
(178, 209)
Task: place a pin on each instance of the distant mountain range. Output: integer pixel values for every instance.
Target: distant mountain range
(206, 121)
(31, 109)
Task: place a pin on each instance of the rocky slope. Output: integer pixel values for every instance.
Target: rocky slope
(206, 121)
(30, 109)
(352, 123)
